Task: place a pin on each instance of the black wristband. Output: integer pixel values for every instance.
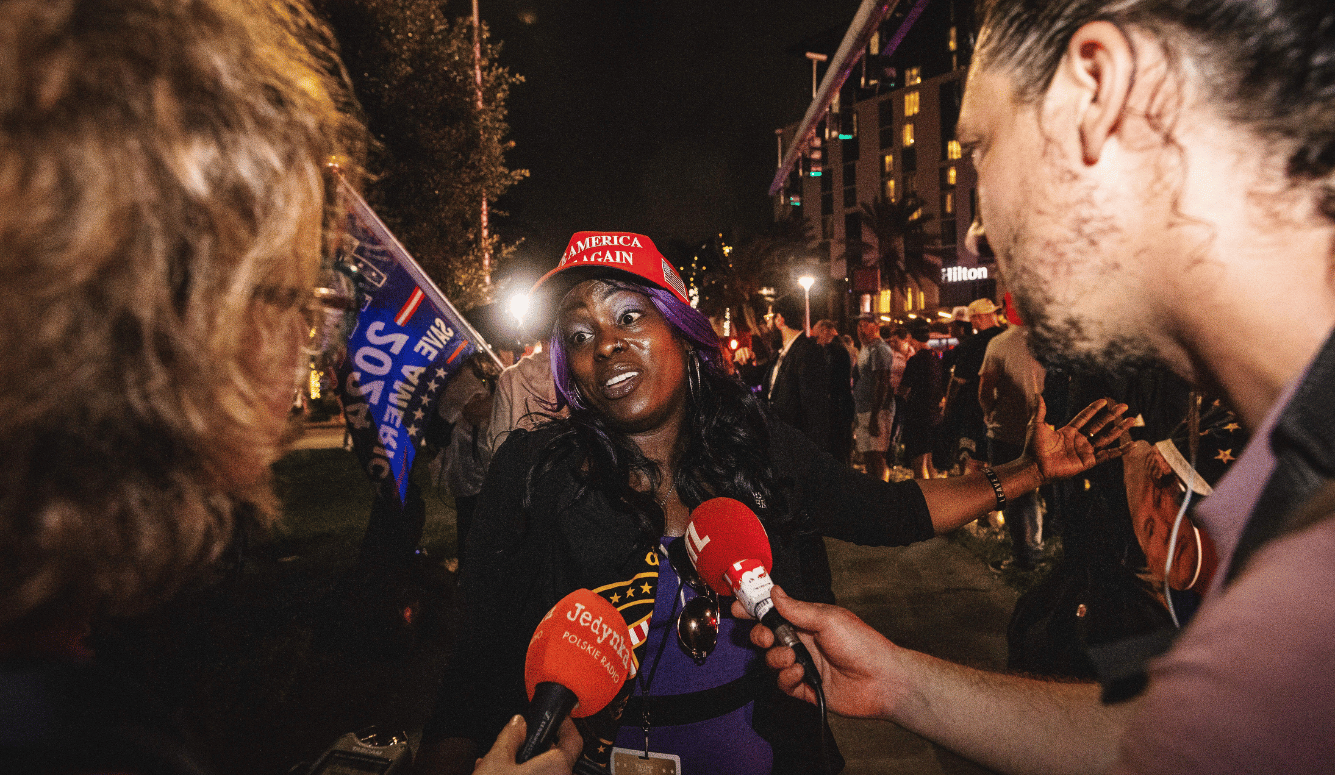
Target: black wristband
(996, 487)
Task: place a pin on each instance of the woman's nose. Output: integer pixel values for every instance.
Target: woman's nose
(610, 342)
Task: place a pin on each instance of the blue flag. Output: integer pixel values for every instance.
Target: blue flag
(409, 340)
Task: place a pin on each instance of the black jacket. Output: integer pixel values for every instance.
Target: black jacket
(518, 564)
(801, 393)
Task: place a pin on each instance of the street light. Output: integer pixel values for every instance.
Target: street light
(806, 282)
(518, 307)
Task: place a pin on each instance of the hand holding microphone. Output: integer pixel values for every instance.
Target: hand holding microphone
(577, 661)
(730, 550)
(500, 760)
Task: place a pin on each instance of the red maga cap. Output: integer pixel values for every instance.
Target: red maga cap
(593, 252)
(583, 645)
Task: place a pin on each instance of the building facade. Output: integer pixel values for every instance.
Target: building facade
(882, 180)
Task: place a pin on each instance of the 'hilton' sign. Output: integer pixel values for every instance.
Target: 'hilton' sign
(959, 274)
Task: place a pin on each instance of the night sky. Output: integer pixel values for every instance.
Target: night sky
(654, 117)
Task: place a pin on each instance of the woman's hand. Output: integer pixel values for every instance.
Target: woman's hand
(1096, 434)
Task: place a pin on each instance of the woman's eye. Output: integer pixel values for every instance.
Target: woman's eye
(629, 316)
(578, 337)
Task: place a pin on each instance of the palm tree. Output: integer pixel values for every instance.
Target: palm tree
(765, 259)
(900, 248)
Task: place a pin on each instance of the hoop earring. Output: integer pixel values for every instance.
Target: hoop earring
(1200, 558)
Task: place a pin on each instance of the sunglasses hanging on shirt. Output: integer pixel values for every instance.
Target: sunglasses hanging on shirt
(697, 624)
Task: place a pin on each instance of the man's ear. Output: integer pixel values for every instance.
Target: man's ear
(1099, 66)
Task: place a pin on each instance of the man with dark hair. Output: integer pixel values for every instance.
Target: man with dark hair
(1141, 165)
(798, 385)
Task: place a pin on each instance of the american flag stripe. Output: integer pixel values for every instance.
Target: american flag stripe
(638, 632)
(410, 306)
(456, 352)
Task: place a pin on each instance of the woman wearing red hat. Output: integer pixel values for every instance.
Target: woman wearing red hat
(600, 500)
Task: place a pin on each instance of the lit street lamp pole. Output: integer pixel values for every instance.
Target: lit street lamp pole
(806, 282)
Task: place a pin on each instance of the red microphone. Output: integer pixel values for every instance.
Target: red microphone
(730, 550)
(577, 661)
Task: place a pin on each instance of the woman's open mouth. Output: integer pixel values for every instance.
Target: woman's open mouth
(621, 384)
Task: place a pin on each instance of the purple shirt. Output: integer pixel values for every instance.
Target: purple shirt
(726, 745)
(1249, 686)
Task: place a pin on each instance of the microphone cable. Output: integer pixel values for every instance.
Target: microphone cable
(1193, 432)
(824, 743)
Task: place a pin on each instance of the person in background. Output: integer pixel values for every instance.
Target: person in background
(1010, 385)
(524, 397)
(798, 386)
(963, 411)
(851, 346)
(920, 394)
(873, 398)
(465, 408)
(165, 207)
(841, 388)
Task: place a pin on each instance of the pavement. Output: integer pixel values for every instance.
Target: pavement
(319, 435)
(934, 596)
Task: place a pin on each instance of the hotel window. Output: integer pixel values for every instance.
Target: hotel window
(874, 47)
(885, 302)
(948, 203)
(887, 164)
(888, 190)
(953, 42)
(886, 114)
(948, 177)
(912, 76)
(908, 135)
(911, 102)
(849, 149)
(953, 150)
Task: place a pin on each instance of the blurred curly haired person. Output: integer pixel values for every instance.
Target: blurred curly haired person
(162, 200)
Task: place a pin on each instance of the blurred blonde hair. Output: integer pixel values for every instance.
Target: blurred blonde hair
(162, 201)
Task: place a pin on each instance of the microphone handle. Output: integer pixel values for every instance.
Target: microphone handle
(551, 703)
(783, 633)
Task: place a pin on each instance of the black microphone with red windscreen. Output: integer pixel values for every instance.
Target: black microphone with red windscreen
(730, 550)
(578, 659)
